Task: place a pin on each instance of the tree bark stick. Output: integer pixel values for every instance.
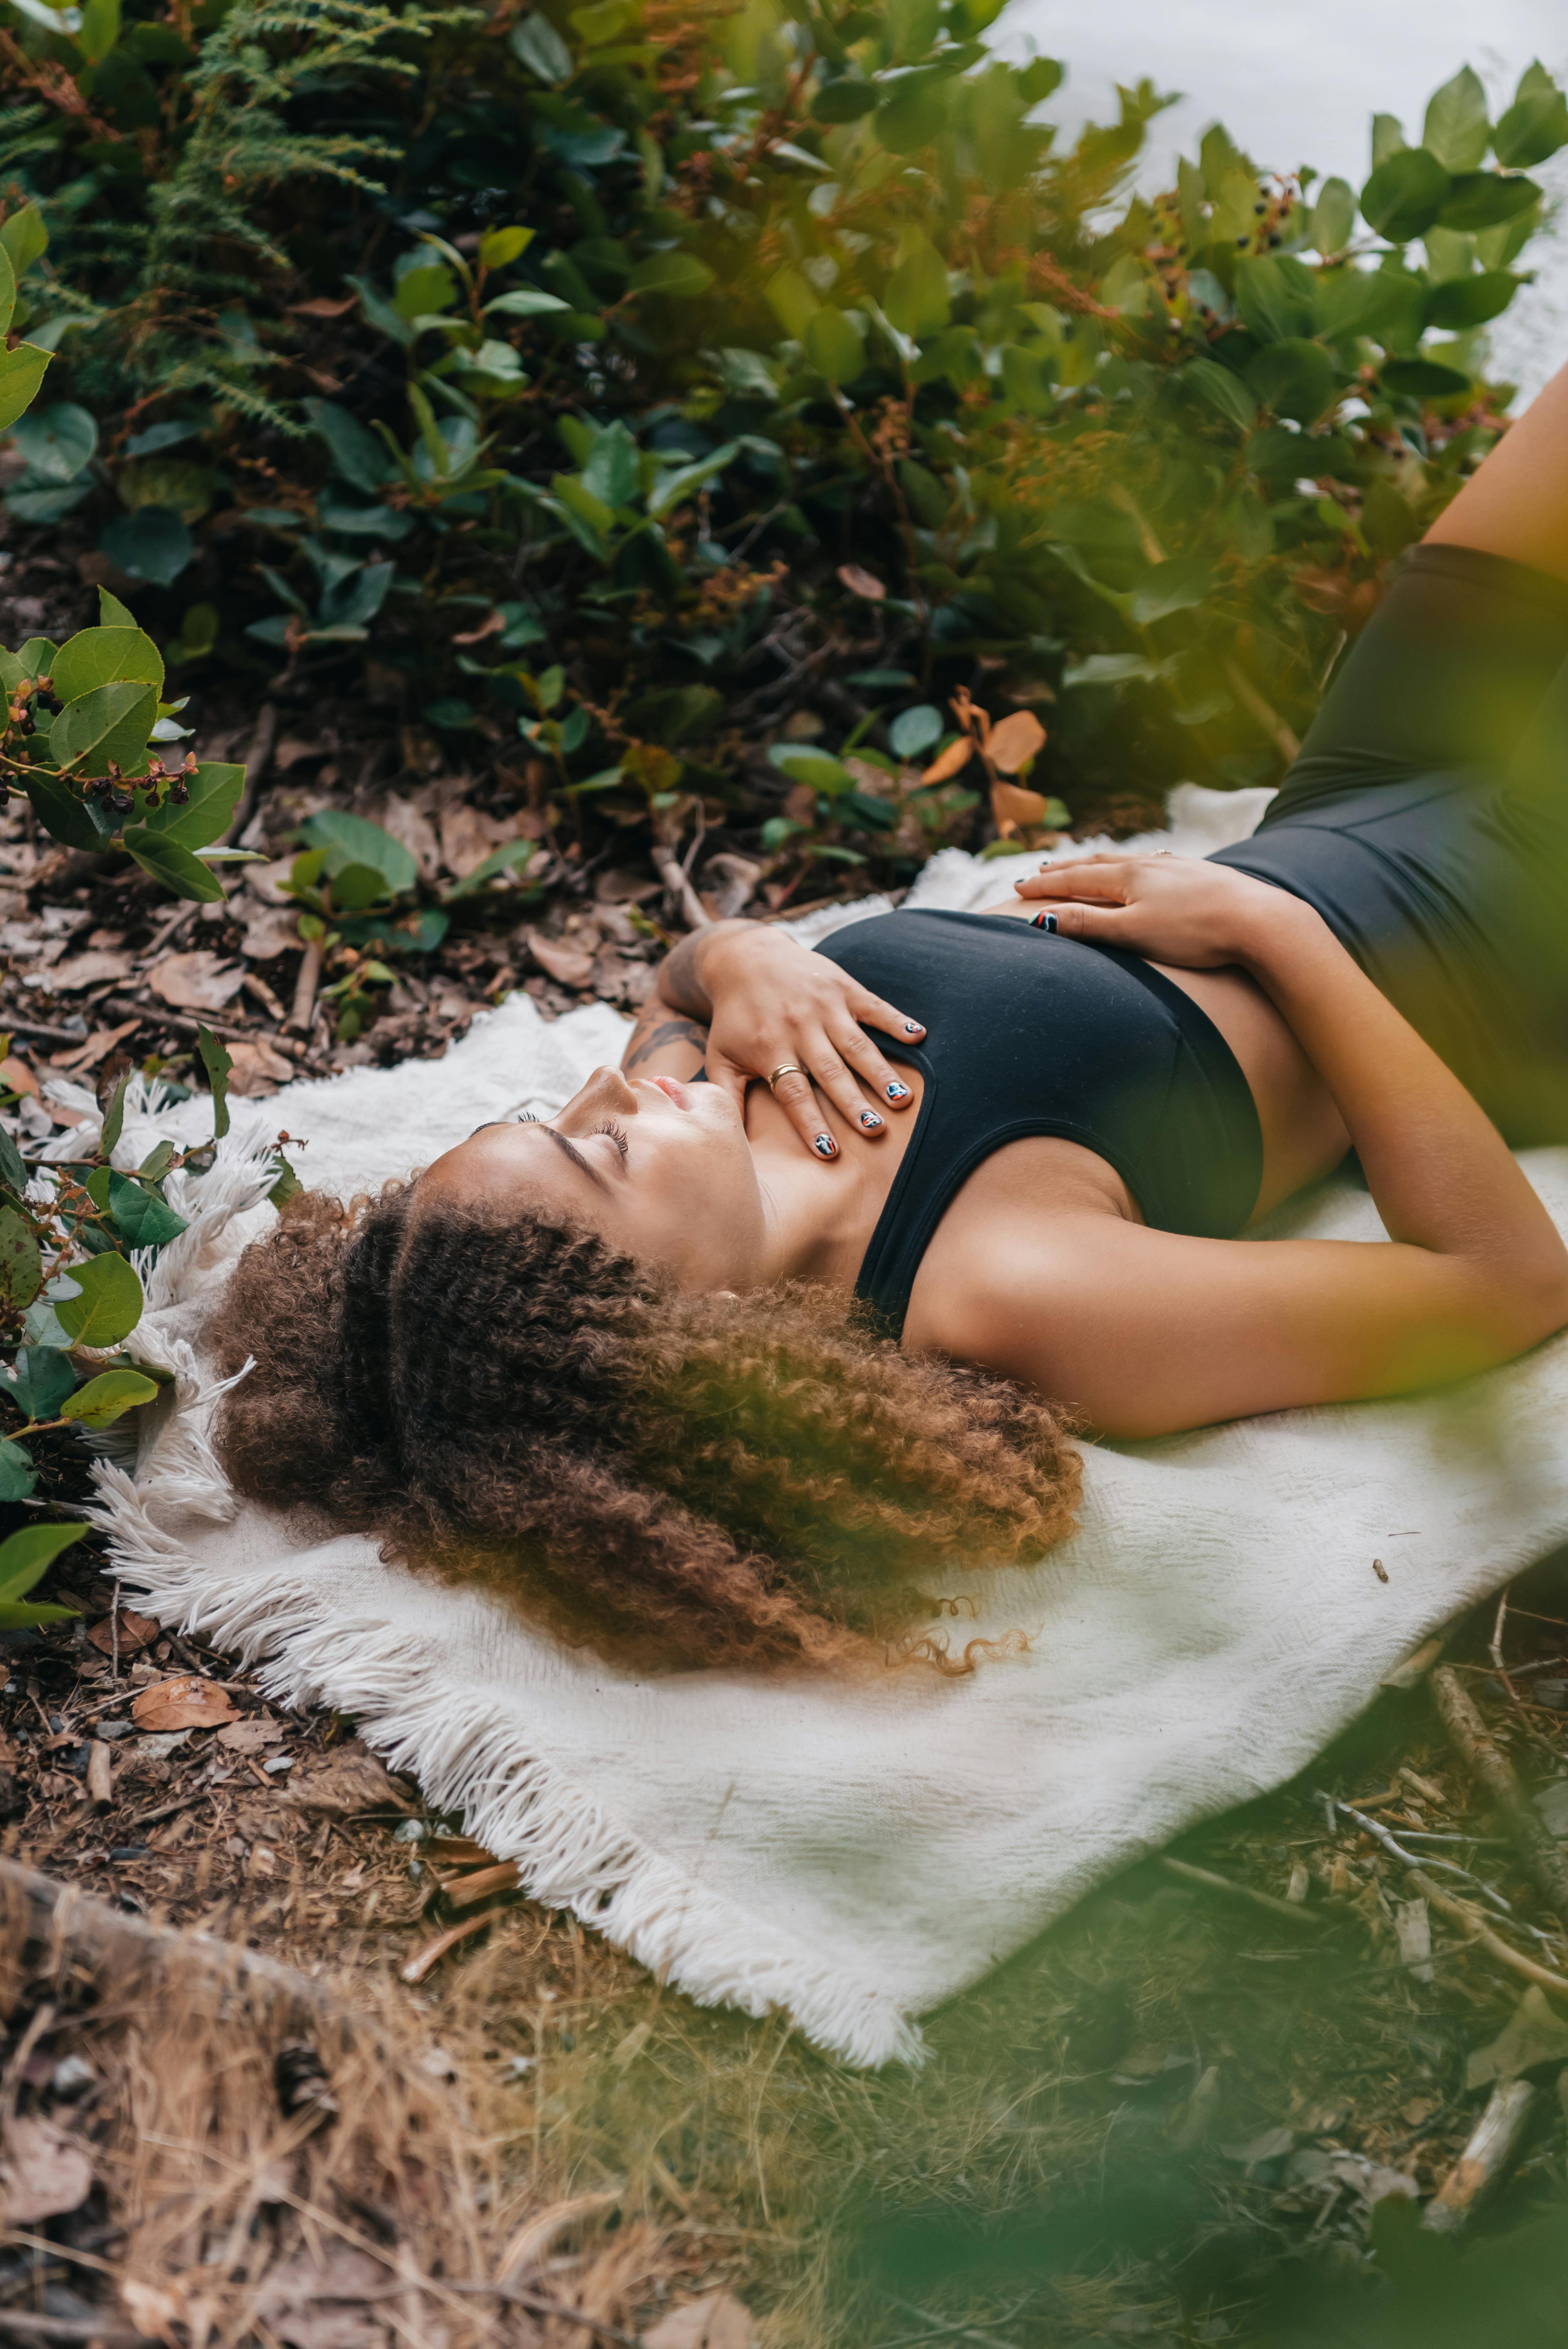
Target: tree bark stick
(1494, 1772)
(1485, 2161)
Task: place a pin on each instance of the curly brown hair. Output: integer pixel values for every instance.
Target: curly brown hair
(672, 1479)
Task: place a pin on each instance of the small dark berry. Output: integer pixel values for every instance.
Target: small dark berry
(180, 793)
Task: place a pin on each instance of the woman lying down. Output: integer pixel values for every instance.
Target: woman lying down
(711, 1372)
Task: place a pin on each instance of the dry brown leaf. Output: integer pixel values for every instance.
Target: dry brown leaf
(1016, 740)
(202, 981)
(1014, 808)
(93, 968)
(250, 1736)
(330, 2297)
(949, 762)
(411, 827)
(344, 1783)
(266, 881)
(1534, 2033)
(491, 626)
(17, 1076)
(468, 837)
(136, 1633)
(183, 1702)
(269, 932)
(43, 2173)
(323, 305)
(717, 2321)
(98, 1047)
(539, 2234)
(863, 583)
(258, 1070)
(569, 965)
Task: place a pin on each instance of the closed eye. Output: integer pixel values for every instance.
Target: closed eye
(617, 1135)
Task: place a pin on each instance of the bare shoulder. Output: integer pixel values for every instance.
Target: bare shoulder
(665, 1042)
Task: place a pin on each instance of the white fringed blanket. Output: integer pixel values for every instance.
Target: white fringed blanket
(852, 1854)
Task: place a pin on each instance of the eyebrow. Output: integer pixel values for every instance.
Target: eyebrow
(559, 1141)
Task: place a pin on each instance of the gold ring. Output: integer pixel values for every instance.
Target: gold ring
(785, 1068)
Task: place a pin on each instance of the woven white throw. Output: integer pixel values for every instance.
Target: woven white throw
(852, 1853)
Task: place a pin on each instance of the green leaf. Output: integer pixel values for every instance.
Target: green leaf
(355, 887)
(7, 292)
(1424, 378)
(844, 100)
(1484, 199)
(356, 454)
(916, 299)
(511, 856)
(56, 443)
(21, 1266)
(1350, 301)
(218, 1064)
(611, 469)
(110, 722)
(1221, 390)
(174, 866)
(215, 788)
(17, 1473)
(524, 302)
(108, 1306)
(1271, 307)
(1185, 581)
(113, 1126)
(1296, 378)
(1456, 130)
(12, 1169)
(28, 1555)
(38, 1382)
(21, 373)
(106, 656)
(1534, 126)
(354, 840)
(105, 1399)
(1464, 302)
(287, 1183)
(112, 613)
(1334, 216)
(813, 768)
(499, 246)
(1405, 195)
(152, 544)
(145, 1220)
(25, 238)
(834, 346)
(915, 730)
(682, 482)
(536, 43)
(680, 275)
(421, 291)
(60, 813)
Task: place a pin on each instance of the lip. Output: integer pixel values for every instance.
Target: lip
(673, 1090)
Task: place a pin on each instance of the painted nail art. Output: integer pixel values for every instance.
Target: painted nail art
(1044, 921)
(869, 1119)
(913, 1027)
(896, 1091)
(825, 1146)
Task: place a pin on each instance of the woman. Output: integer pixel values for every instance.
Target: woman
(612, 1363)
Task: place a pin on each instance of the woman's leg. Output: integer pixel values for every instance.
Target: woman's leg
(1516, 505)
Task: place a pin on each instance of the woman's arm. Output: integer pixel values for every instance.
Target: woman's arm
(1150, 1332)
(767, 1002)
(663, 1043)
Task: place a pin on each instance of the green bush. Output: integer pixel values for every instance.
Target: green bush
(665, 384)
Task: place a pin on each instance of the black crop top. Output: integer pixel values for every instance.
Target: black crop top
(1029, 1032)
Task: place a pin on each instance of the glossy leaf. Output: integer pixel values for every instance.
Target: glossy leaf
(104, 1400)
(107, 1306)
(144, 1219)
(1479, 199)
(27, 1555)
(1405, 196)
(21, 1266)
(21, 374)
(172, 865)
(37, 1382)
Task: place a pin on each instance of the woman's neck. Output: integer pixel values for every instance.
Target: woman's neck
(821, 1214)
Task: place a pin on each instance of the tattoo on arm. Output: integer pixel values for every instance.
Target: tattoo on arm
(667, 1031)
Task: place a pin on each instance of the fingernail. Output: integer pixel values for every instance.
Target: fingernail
(870, 1119)
(914, 1028)
(1044, 921)
(896, 1091)
(825, 1146)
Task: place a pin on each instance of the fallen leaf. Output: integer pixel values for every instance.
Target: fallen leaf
(250, 1736)
(413, 829)
(1016, 740)
(183, 1702)
(154, 2309)
(269, 932)
(43, 2172)
(98, 1047)
(90, 969)
(202, 981)
(323, 305)
(491, 626)
(861, 582)
(949, 762)
(17, 1076)
(1534, 2033)
(327, 2299)
(266, 881)
(257, 1069)
(468, 837)
(718, 2320)
(569, 965)
(136, 1633)
(344, 1783)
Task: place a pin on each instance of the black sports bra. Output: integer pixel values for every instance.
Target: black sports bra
(1029, 1032)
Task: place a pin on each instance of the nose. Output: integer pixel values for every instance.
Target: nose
(605, 1090)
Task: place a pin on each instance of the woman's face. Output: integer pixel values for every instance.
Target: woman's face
(660, 1169)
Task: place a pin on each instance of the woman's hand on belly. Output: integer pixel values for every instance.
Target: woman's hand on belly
(1173, 909)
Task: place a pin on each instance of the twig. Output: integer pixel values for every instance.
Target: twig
(1385, 1836)
(1492, 2144)
(167, 1810)
(258, 760)
(667, 865)
(1495, 1650)
(1290, 1910)
(309, 980)
(422, 1960)
(1488, 1763)
(157, 1017)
